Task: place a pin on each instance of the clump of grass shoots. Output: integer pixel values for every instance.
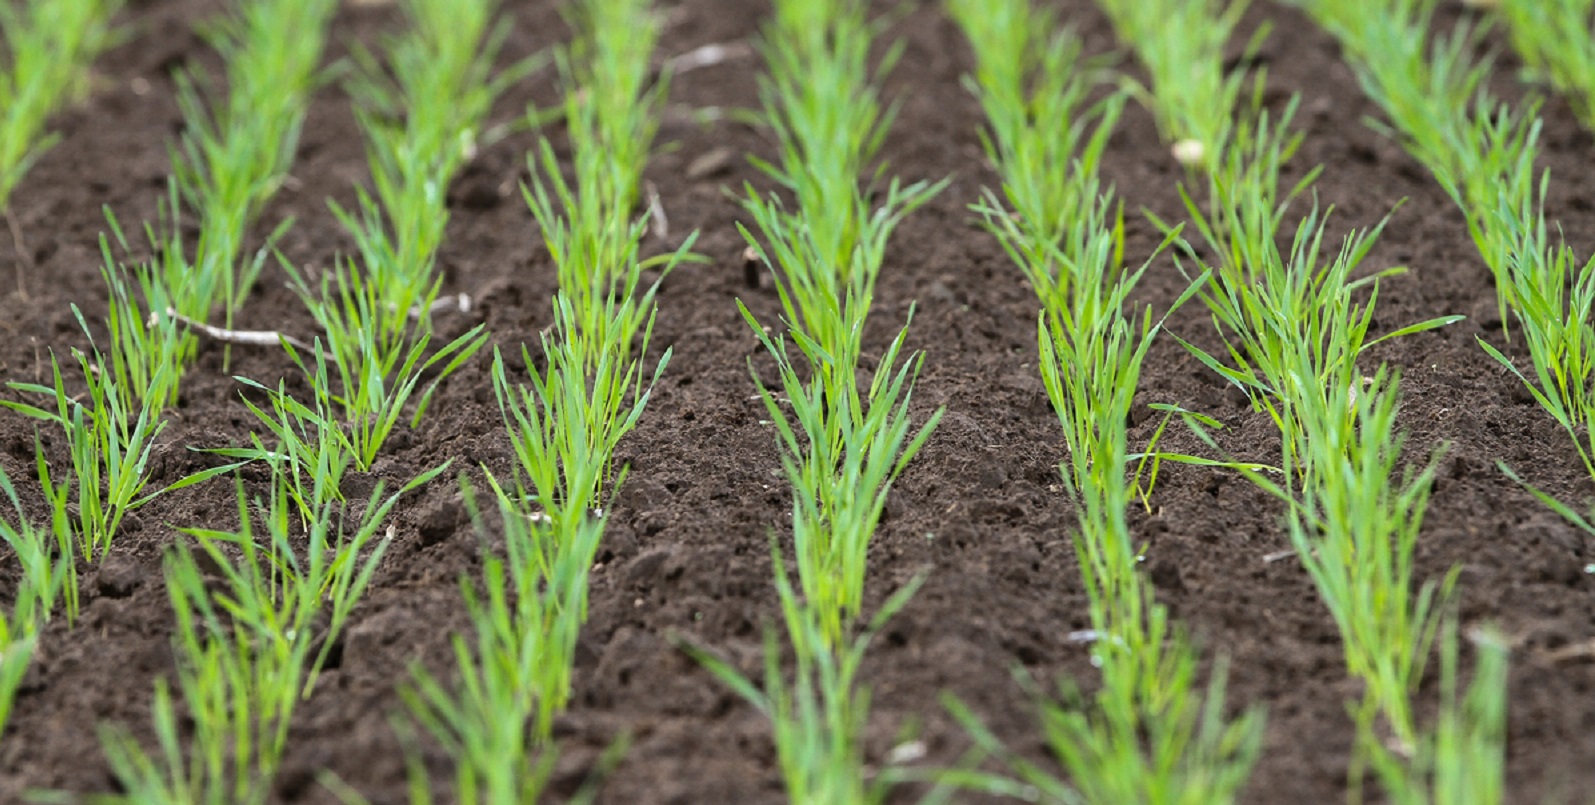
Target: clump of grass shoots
(49, 45)
(827, 248)
(249, 651)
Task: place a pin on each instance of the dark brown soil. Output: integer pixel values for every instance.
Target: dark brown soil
(686, 552)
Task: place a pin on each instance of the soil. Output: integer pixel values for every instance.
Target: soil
(686, 554)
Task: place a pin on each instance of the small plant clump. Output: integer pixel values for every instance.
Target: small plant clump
(249, 649)
(1192, 96)
(564, 421)
(826, 252)
(49, 47)
(848, 444)
(239, 142)
(1145, 736)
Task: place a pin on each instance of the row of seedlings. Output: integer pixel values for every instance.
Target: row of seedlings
(109, 429)
(587, 391)
(1294, 324)
(1483, 153)
(842, 445)
(1553, 293)
(422, 103)
(1148, 734)
(234, 153)
(250, 649)
(1433, 89)
(50, 46)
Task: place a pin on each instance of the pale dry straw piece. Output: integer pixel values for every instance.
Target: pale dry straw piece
(253, 338)
(658, 223)
(709, 56)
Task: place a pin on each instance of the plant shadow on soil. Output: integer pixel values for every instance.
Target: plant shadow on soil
(687, 548)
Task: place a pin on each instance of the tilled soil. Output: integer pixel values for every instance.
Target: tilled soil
(686, 554)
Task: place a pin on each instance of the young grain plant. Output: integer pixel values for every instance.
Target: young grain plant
(1433, 92)
(249, 648)
(240, 136)
(1352, 516)
(109, 432)
(233, 155)
(423, 102)
(47, 576)
(375, 310)
(847, 445)
(1486, 162)
(1354, 520)
(1145, 736)
(1557, 43)
(49, 45)
(1181, 45)
(565, 423)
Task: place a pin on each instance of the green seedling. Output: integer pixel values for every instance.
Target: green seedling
(47, 575)
(1462, 762)
(847, 447)
(1148, 739)
(516, 674)
(565, 425)
(1433, 90)
(1145, 736)
(611, 115)
(1553, 296)
(1486, 162)
(44, 558)
(250, 647)
(1553, 37)
(1044, 137)
(310, 451)
(109, 447)
(819, 719)
(1355, 528)
(314, 444)
(49, 47)
(422, 100)
(842, 465)
(379, 371)
(1182, 45)
(240, 137)
(1148, 735)
(17, 641)
(148, 351)
(1275, 308)
(422, 122)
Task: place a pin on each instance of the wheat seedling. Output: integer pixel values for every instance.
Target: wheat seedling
(109, 446)
(249, 650)
(849, 446)
(1181, 44)
(1554, 39)
(820, 719)
(49, 45)
(239, 139)
(516, 676)
(1463, 761)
